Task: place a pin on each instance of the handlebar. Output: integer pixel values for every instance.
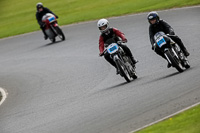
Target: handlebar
(105, 50)
(170, 35)
(101, 54)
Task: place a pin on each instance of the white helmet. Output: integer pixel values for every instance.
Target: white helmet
(101, 23)
(39, 5)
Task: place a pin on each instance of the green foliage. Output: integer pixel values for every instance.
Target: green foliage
(18, 16)
(186, 122)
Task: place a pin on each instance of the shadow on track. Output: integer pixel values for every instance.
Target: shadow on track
(168, 76)
(117, 86)
(49, 44)
(161, 78)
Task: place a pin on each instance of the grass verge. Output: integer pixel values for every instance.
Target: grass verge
(185, 122)
(18, 17)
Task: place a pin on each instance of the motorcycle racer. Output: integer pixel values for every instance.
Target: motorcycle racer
(156, 25)
(110, 32)
(41, 11)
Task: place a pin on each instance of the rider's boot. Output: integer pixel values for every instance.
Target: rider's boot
(169, 65)
(134, 61)
(186, 53)
(45, 35)
(117, 71)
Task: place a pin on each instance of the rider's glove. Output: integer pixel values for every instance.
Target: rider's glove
(125, 41)
(101, 54)
(119, 42)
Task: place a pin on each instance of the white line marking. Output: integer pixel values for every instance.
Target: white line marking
(165, 117)
(3, 94)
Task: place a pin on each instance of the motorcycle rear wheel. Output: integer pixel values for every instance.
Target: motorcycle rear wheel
(60, 33)
(187, 65)
(134, 76)
(52, 40)
(175, 62)
(123, 70)
(132, 70)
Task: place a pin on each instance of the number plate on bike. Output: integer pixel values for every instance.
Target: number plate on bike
(160, 41)
(112, 48)
(51, 19)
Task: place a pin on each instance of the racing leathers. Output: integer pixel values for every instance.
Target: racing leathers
(115, 34)
(161, 25)
(39, 16)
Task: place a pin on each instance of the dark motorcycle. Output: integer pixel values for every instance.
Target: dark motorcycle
(123, 62)
(172, 51)
(51, 27)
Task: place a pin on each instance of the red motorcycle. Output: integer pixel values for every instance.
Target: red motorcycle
(51, 27)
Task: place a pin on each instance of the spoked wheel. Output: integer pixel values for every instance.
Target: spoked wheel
(60, 33)
(184, 60)
(132, 70)
(123, 70)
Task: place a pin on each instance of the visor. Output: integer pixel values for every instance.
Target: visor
(103, 27)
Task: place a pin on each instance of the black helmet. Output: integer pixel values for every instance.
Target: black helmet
(39, 5)
(153, 15)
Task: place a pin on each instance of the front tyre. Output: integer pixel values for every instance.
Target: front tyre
(60, 33)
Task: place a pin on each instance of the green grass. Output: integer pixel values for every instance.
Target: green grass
(18, 16)
(185, 122)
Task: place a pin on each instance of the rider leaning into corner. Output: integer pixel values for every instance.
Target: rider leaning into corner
(156, 25)
(41, 11)
(108, 33)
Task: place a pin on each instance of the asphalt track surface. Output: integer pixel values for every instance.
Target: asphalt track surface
(66, 88)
